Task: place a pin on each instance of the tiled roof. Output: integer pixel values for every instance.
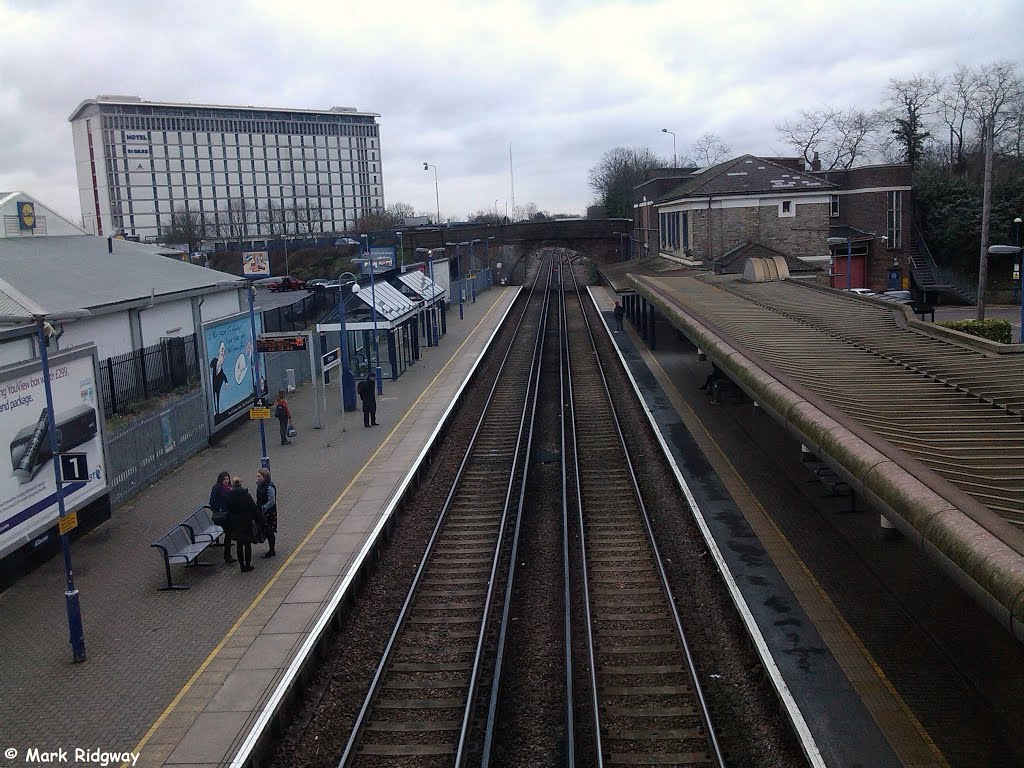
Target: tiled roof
(746, 175)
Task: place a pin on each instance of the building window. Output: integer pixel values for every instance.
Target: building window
(833, 205)
(786, 208)
(669, 228)
(893, 219)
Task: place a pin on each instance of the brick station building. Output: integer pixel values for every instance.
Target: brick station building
(777, 204)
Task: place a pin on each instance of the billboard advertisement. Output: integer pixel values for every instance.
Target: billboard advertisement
(28, 490)
(256, 264)
(229, 349)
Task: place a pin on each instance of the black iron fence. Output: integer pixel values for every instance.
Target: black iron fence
(300, 315)
(143, 373)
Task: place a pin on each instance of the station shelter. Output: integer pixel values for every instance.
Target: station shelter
(384, 310)
(418, 287)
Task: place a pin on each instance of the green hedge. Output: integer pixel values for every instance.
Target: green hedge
(994, 330)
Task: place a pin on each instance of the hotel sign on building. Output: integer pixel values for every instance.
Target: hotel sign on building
(139, 161)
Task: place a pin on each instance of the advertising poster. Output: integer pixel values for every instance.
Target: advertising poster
(28, 490)
(229, 350)
(256, 264)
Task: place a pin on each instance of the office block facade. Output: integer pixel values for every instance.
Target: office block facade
(245, 172)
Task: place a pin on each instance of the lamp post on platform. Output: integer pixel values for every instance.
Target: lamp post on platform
(666, 130)
(458, 270)
(348, 382)
(373, 307)
(849, 257)
(257, 390)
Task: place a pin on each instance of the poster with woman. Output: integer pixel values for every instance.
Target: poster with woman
(229, 349)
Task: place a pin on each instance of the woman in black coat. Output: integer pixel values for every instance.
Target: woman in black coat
(241, 516)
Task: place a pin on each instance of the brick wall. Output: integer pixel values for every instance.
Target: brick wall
(801, 235)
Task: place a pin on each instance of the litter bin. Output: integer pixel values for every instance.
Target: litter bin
(289, 380)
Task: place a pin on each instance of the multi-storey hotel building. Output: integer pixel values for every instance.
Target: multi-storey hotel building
(248, 172)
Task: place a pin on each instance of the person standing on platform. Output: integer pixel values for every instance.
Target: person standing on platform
(618, 312)
(368, 394)
(242, 513)
(284, 416)
(266, 500)
(219, 505)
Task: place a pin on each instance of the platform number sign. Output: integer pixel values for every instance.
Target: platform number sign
(74, 468)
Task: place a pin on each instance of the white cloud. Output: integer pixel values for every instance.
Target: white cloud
(456, 82)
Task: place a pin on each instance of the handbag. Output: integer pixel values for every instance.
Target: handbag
(258, 536)
(220, 517)
(292, 432)
(279, 411)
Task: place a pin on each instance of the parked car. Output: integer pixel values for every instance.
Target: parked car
(317, 282)
(901, 297)
(287, 284)
(345, 241)
(862, 291)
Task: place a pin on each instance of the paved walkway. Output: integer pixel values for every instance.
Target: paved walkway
(162, 665)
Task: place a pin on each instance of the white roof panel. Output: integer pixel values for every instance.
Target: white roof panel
(391, 304)
(422, 285)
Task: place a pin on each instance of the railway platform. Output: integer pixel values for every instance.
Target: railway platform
(180, 678)
(833, 617)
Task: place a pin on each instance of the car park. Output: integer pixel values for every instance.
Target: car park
(287, 284)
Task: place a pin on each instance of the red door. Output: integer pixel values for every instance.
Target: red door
(858, 272)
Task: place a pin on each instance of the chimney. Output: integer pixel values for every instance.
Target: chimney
(816, 163)
(110, 245)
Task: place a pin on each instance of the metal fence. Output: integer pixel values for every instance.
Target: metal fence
(142, 373)
(300, 315)
(147, 449)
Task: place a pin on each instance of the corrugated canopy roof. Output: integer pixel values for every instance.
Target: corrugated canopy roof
(391, 304)
(65, 273)
(421, 285)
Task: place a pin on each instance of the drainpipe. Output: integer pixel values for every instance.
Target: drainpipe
(709, 230)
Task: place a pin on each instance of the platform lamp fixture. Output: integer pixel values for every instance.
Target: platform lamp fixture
(42, 321)
(401, 252)
(348, 381)
(1015, 250)
(458, 271)
(431, 330)
(472, 266)
(849, 256)
(437, 196)
(666, 130)
(367, 258)
(257, 388)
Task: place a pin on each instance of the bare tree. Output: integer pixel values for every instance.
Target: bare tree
(187, 227)
(998, 85)
(708, 150)
(616, 174)
(910, 103)
(840, 137)
(392, 217)
(955, 100)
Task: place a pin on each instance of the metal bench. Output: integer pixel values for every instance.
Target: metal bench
(825, 475)
(177, 546)
(921, 309)
(202, 528)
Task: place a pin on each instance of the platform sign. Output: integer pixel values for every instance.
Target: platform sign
(256, 264)
(67, 523)
(266, 343)
(331, 359)
(259, 413)
(74, 468)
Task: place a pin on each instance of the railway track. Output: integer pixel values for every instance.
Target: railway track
(422, 706)
(645, 703)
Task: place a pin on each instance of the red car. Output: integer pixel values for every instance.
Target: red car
(287, 284)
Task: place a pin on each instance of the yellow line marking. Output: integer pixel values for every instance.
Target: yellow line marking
(273, 580)
(734, 481)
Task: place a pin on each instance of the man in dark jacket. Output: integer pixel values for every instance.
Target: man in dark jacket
(368, 394)
(242, 513)
(618, 312)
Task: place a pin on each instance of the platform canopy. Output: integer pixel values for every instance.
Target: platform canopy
(421, 284)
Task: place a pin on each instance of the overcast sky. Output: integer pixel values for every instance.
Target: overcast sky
(456, 82)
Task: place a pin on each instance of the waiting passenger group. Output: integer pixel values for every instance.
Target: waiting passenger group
(245, 521)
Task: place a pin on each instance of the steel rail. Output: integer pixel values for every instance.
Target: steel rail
(662, 576)
(349, 754)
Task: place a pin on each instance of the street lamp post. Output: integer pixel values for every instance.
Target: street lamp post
(458, 271)
(666, 130)
(401, 252)
(1016, 236)
(256, 388)
(431, 330)
(437, 196)
(849, 257)
(1001, 250)
(472, 267)
(348, 382)
(71, 603)
(373, 310)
